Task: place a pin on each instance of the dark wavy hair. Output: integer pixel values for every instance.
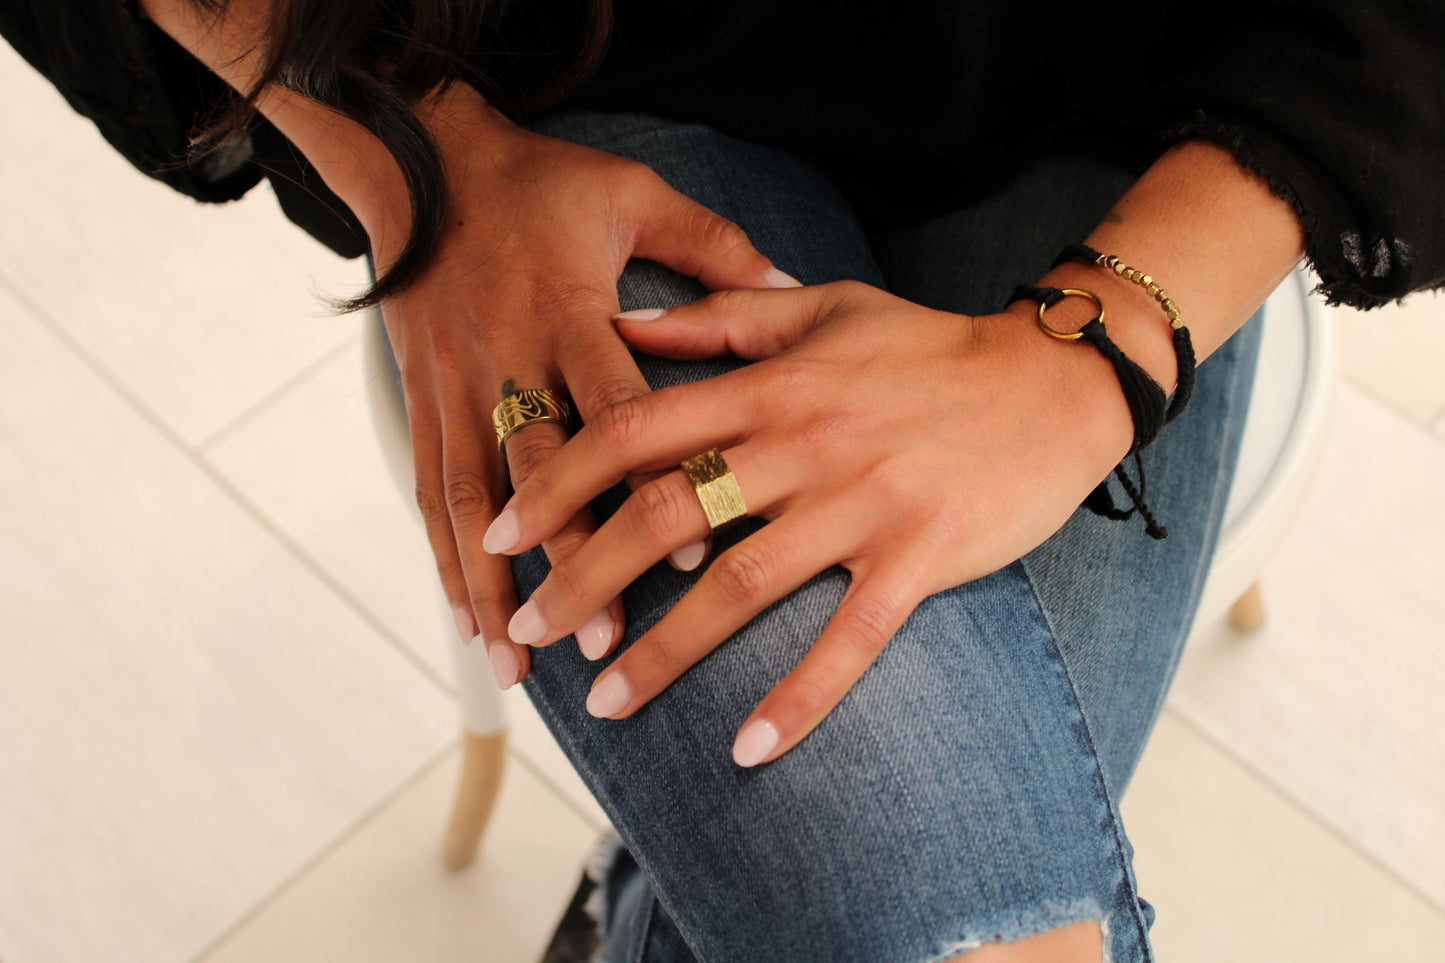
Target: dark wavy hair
(374, 60)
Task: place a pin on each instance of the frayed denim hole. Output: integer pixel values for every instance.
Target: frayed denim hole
(1052, 915)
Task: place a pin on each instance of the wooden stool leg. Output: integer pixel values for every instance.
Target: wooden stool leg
(484, 752)
(1247, 612)
(483, 759)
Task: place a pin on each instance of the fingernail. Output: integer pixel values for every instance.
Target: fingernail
(609, 696)
(641, 314)
(466, 623)
(594, 638)
(688, 557)
(503, 533)
(505, 664)
(756, 740)
(777, 279)
(527, 626)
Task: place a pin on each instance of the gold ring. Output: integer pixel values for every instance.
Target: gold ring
(1064, 335)
(716, 487)
(527, 408)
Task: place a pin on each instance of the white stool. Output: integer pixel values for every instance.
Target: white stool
(1282, 443)
(484, 723)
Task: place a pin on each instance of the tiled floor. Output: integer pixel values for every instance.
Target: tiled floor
(226, 723)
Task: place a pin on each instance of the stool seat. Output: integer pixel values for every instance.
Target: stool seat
(1284, 438)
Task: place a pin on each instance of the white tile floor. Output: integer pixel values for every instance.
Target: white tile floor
(226, 729)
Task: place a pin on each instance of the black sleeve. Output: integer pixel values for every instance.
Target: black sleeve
(148, 97)
(1340, 106)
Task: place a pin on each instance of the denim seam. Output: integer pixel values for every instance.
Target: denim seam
(593, 784)
(1125, 877)
(1218, 505)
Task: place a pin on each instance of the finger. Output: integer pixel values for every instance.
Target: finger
(659, 517)
(601, 372)
(427, 462)
(471, 488)
(872, 612)
(655, 431)
(682, 234)
(749, 324)
(739, 584)
(600, 629)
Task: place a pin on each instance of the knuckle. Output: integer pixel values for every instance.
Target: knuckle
(719, 233)
(528, 450)
(742, 575)
(431, 503)
(609, 391)
(636, 175)
(568, 296)
(486, 596)
(868, 625)
(466, 495)
(564, 586)
(729, 302)
(621, 424)
(565, 544)
(666, 657)
(657, 511)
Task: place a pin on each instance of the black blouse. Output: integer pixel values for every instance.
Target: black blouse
(920, 105)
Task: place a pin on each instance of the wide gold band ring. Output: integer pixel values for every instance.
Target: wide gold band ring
(717, 489)
(527, 408)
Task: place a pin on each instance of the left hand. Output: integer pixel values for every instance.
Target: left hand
(917, 449)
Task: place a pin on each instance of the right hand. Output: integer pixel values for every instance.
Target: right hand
(520, 295)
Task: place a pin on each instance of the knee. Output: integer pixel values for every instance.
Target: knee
(1077, 943)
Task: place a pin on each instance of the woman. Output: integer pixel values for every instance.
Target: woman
(891, 717)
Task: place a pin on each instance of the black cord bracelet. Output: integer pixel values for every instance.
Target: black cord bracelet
(1147, 405)
(1183, 344)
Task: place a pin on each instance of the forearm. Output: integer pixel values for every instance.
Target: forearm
(1207, 230)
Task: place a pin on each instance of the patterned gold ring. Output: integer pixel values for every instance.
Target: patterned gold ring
(527, 408)
(716, 487)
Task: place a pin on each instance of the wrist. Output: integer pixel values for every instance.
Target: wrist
(1080, 382)
(362, 171)
(1134, 320)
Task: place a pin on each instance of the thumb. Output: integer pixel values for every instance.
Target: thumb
(682, 234)
(749, 324)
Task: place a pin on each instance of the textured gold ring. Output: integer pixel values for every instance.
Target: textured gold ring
(1074, 335)
(527, 408)
(716, 487)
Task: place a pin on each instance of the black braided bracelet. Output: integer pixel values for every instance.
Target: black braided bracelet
(1144, 395)
(1183, 344)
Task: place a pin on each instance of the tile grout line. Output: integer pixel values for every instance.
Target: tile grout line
(151, 417)
(1428, 427)
(279, 890)
(276, 394)
(538, 773)
(1302, 808)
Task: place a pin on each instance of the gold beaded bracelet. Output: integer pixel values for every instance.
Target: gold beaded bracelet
(1183, 345)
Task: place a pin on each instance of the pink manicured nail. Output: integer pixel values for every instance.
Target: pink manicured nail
(466, 623)
(609, 696)
(505, 664)
(527, 626)
(754, 742)
(503, 533)
(594, 638)
(688, 557)
(777, 279)
(641, 314)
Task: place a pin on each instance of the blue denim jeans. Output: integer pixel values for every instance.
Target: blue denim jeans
(966, 789)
